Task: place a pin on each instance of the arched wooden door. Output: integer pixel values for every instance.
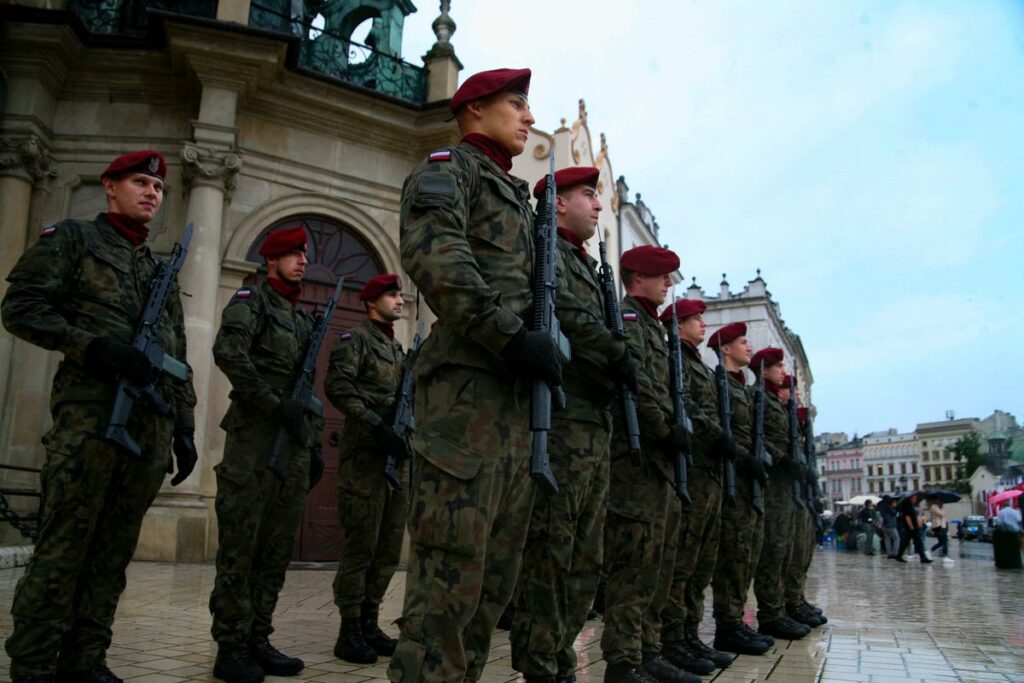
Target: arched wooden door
(333, 250)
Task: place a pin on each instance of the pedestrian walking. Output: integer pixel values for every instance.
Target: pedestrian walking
(889, 514)
(911, 532)
(940, 525)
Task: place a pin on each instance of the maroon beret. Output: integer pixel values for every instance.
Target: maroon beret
(788, 382)
(770, 356)
(726, 334)
(146, 161)
(684, 309)
(380, 284)
(650, 260)
(486, 83)
(569, 177)
(801, 413)
(283, 241)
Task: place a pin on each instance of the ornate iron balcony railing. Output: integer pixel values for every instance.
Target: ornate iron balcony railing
(128, 17)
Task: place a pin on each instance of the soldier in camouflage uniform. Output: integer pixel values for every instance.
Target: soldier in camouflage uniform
(795, 576)
(562, 560)
(362, 382)
(697, 551)
(639, 490)
(780, 509)
(466, 241)
(81, 289)
(742, 526)
(260, 347)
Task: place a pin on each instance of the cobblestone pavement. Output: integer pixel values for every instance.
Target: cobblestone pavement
(887, 622)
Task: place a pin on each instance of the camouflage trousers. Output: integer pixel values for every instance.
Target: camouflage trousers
(668, 529)
(634, 537)
(800, 559)
(780, 512)
(94, 499)
(258, 516)
(696, 559)
(372, 517)
(468, 520)
(562, 559)
(739, 549)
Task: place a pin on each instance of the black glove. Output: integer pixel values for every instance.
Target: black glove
(109, 360)
(185, 456)
(291, 415)
(534, 356)
(752, 468)
(622, 371)
(391, 442)
(316, 466)
(726, 446)
(678, 438)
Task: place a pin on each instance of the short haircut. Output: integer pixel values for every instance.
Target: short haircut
(627, 277)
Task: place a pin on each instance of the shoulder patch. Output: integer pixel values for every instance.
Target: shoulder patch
(243, 293)
(46, 232)
(440, 155)
(629, 316)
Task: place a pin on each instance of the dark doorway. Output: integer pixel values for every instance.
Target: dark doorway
(334, 250)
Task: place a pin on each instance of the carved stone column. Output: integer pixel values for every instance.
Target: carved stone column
(25, 165)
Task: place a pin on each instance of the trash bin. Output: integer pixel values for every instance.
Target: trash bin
(1006, 549)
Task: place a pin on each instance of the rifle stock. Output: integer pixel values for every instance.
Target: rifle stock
(613, 319)
(127, 394)
(404, 421)
(760, 452)
(677, 382)
(725, 418)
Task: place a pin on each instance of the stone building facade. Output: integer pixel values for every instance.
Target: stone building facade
(844, 473)
(935, 440)
(892, 462)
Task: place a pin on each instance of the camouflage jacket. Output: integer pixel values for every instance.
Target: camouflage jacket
(742, 413)
(82, 280)
(645, 339)
(260, 347)
(776, 431)
(580, 311)
(702, 405)
(362, 381)
(467, 243)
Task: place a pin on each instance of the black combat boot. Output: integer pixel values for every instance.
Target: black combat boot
(719, 659)
(351, 645)
(97, 674)
(736, 639)
(234, 665)
(38, 678)
(375, 637)
(783, 627)
(816, 610)
(272, 661)
(751, 633)
(624, 672)
(565, 678)
(660, 669)
(682, 655)
(801, 615)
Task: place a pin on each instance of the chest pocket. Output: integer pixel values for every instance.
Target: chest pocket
(386, 367)
(280, 339)
(498, 217)
(105, 276)
(584, 274)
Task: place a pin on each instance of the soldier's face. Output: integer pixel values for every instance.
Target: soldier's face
(290, 267)
(775, 373)
(135, 195)
(784, 395)
(692, 329)
(505, 118)
(387, 307)
(738, 350)
(653, 287)
(578, 208)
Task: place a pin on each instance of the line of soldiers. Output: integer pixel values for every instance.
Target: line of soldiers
(481, 536)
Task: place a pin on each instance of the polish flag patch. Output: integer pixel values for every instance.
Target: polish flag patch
(48, 231)
(243, 293)
(629, 316)
(440, 155)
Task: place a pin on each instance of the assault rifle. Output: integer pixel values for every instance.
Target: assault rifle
(795, 453)
(760, 452)
(145, 340)
(302, 390)
(725, 417)
(677, 387)
(814, 493)
(544, 397)
(613, 319)
(404, 421)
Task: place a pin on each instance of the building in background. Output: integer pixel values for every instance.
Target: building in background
(844, 472)
(892, 462)
(935, 440)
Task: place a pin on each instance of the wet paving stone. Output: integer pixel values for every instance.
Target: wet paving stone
(887, 622)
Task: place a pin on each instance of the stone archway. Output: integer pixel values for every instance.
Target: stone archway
(334, 249)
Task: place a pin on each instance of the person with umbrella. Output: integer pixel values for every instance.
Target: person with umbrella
(911, 529)
(889, 514)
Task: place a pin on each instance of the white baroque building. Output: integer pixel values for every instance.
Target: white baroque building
(891, 462)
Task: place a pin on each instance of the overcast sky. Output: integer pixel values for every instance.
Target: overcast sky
(868, 156)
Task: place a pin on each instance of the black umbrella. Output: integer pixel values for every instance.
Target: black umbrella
(944, 495)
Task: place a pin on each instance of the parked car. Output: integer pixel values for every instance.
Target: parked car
(973, 527)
